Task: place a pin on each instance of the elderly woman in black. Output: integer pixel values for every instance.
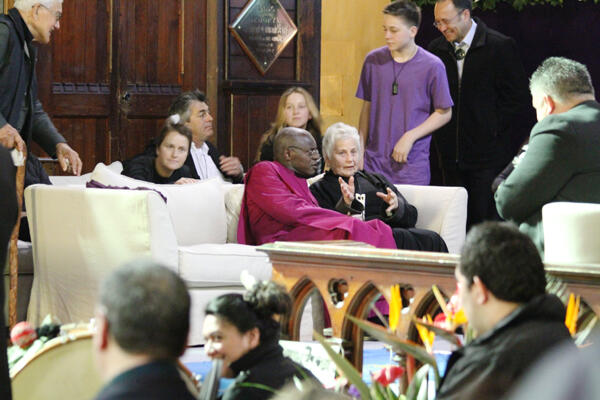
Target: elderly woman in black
(243, 331)
(347, 189)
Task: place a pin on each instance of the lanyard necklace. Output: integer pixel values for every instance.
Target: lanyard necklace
(396, 75)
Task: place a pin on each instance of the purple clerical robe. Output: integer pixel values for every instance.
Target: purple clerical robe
(278, 206)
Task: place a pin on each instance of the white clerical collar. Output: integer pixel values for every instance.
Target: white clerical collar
(468, 39)
(203, 148)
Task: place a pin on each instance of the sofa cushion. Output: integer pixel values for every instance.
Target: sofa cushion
(197, 210)
(66, 180)
(233, 205)
(209, 265)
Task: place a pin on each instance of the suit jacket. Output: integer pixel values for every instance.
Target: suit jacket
(489, 104)
(15, 82)
(214, 154)
(158, 380)
(278, 206)
(562, 163)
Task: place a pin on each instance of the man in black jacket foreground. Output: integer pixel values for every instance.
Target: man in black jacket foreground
(143, 319)
(502, 288)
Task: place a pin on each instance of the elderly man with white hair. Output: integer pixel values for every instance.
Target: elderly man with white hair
(368, 196)
(22, 117)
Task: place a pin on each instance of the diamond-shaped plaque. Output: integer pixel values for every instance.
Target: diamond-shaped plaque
(263, 29)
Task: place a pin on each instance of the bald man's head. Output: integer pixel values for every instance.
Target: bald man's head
(296, 149)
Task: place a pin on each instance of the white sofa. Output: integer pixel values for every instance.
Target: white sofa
(79, 235)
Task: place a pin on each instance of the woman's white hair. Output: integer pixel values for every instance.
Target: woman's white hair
(25, 5)
(338, 131)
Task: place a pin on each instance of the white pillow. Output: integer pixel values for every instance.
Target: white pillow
(197, 210)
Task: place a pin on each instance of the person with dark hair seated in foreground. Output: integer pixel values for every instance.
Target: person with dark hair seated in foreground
(143, 320)
(243, 331)
(502, 287)
(278, 205)
(347, 189)
(167, 164)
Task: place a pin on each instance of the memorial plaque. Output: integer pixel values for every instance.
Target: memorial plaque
(263, 29)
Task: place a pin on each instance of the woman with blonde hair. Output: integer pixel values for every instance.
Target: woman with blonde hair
(296, 109)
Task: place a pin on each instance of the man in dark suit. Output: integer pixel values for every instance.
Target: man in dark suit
(204, 159)
(562, 161)
(142, 321)
(8, 217)
(22, 117)
(489, 89)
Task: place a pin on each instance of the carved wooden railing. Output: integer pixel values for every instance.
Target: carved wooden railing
(368, 271)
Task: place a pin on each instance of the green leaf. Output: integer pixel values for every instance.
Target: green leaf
(257, 386)
(353, 376)
(397, 344)
(377, 391)
(443, 333)
(390, 393)
(417, 381)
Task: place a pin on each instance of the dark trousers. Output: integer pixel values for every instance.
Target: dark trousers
(8, 217)
(481, 205)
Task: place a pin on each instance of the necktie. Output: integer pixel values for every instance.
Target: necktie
(460, 52)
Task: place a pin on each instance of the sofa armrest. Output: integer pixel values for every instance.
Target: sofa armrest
(79, 235)
(442, 209)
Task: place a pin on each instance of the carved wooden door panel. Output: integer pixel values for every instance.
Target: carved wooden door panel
(113, 68)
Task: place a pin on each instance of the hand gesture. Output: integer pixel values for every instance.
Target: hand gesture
(68, 159)
(10, 138)
(231, 166)
(390, 198)
(186, 181)
(402, 148)
(347, 190)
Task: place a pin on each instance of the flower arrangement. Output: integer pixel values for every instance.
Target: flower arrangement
(444, 325)
(381, 387)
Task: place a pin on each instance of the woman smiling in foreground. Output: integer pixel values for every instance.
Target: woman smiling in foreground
(346, 189)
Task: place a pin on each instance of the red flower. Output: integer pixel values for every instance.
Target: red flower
(388, 374)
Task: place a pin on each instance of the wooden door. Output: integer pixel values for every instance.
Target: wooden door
(113, 68)
(247, 99)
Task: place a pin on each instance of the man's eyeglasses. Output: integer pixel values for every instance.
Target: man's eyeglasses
(310, 153)
(57, 14)
(446, 22)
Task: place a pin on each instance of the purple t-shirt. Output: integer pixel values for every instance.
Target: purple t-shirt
(422, 87)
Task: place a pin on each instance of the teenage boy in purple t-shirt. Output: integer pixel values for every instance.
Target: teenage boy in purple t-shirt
(401, 84)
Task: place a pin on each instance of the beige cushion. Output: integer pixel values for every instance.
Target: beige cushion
(233, 204)
(209, 265)
(197, 210)
(571, 233)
